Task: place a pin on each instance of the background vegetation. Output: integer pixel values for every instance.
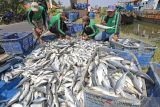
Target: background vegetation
(13, 5)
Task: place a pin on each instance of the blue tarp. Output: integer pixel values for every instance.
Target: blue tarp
(153, 90)
(7, 90)
(151, 102)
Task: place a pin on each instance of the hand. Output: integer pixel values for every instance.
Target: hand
(104, 23)
(45, 28)
(41, 41)
(81, 36)
(85, 38)
(38, 30)
(67, 37)
(59, 38)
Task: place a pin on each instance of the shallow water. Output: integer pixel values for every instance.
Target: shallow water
(142, 29)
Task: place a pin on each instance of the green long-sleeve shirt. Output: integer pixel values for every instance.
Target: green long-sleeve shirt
(36, 16)
(91, 29)
(56, 19)
(112, 22)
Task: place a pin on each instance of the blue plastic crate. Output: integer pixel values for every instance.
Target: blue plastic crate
(72, 16)
(81, 6)
(98, 100)
(71, 30)
(121, 53)
(154, 72)
(144, 58)
(17, 43)
(78, 27)
(125, 55)
(143, 55)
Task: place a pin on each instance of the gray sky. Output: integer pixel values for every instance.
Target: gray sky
(93, 2)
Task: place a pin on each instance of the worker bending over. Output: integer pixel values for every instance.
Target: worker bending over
(89, 29)
(57, 26)
(37, 19)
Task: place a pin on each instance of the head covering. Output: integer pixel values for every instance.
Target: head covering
(34, 6)
(111, 8)
(86, 18)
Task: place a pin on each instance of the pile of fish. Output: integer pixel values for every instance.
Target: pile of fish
(57, 74)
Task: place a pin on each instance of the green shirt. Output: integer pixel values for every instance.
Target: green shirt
(54, 20)
(91, 29)
(112, 22)
(36, 16)
(42, 3)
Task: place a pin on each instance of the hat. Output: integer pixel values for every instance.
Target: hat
(111, 8)
(34, 6)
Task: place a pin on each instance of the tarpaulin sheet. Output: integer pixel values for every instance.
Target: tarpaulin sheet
(153, 90)
(8, 90)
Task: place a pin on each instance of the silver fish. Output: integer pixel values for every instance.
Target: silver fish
(136, 82)
(17, 105)
(22, 81)
(70, 104)
(28, 98)
(104, 91)
(55, 101)
(37, 105)
(69, 95)
(25, 91)
(120, 84)
(39, 100)
(14, 99)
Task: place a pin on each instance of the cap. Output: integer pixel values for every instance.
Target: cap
(34, 6)
(111, 8)
(85, 18)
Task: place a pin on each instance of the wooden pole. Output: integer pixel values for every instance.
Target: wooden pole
(138, 28)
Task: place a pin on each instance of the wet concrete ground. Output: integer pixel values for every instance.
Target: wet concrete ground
(16, 27)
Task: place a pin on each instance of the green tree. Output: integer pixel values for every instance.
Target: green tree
(12, 5)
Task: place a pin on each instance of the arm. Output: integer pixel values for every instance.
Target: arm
(104, 20)
(118, 23)
(114, 37)
(59, 29)
(94, 32)
(45, 3)
(44, 18)
(83, 31)
(29, 17)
